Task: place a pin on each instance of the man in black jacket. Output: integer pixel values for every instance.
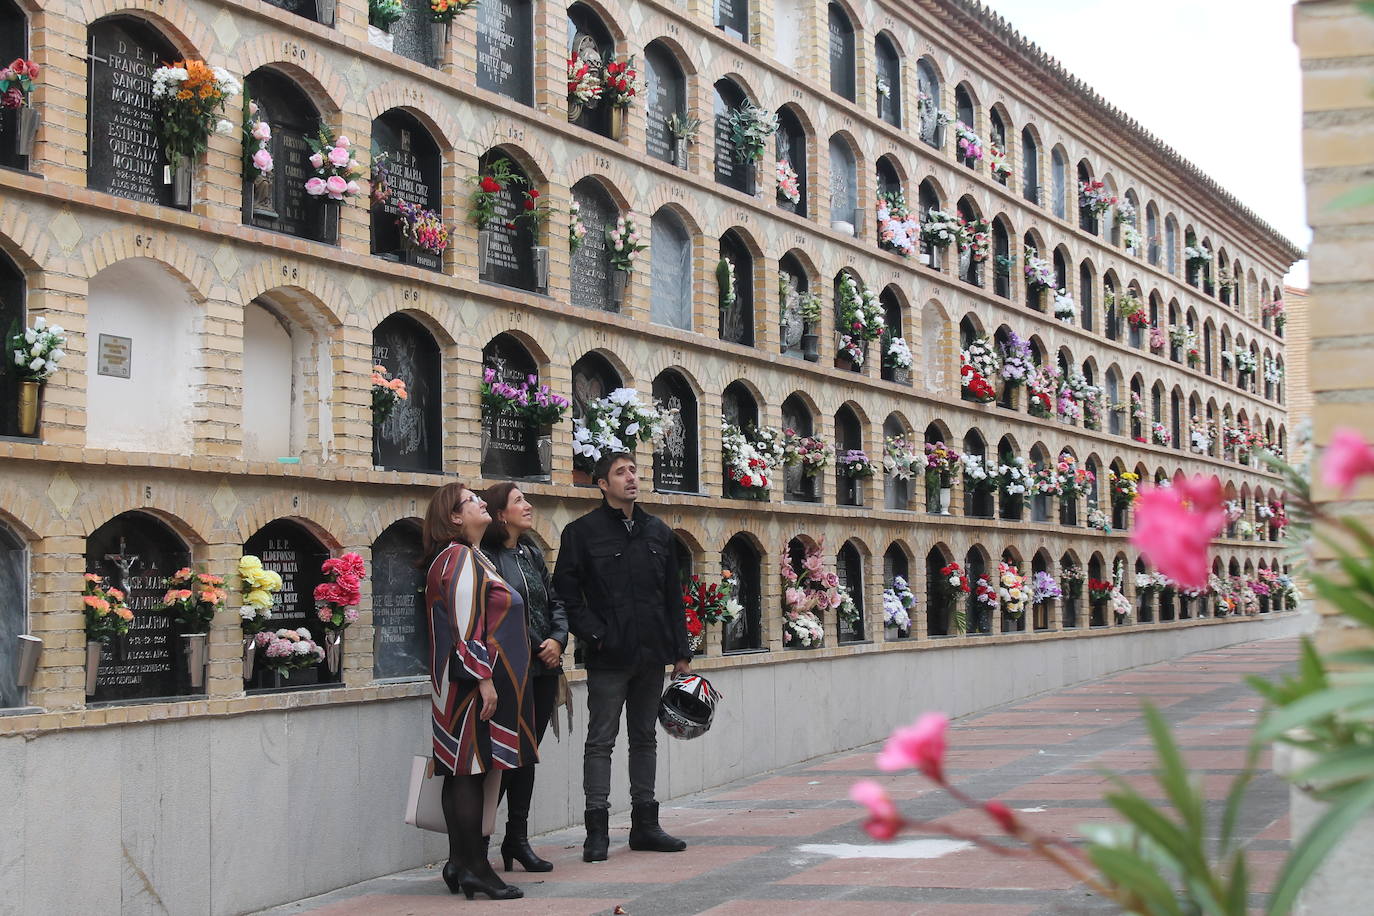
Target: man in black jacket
(617, 575)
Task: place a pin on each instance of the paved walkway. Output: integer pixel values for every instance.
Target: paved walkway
(790, 842)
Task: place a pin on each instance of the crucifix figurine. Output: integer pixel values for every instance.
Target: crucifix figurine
(124, 562)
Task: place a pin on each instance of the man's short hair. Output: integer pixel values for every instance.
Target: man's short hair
(602, 470)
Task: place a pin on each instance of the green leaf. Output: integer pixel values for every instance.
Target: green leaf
(1128, 871)
(1342, 814)
(1235, 796)
(1344, 598)
(1238, 893)
(1337, 767)
(1170, 837)
(1173, 773)
(1328, 702)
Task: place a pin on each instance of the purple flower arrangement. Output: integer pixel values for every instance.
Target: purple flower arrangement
(539, 405)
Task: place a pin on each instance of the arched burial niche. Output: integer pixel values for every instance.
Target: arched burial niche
(14, 42)
(14, 613)
(736, 289)
(291, 550)
(136, 552)
(12, 318)
(281, 378)
(593, 377)
(897, 491)
(897, 566)
(592, 44)
(793, 293)
(665, 104)
(125, 157)
(400, 636)
(844, 188)
(841, 47)
(141, 374)
(278, 201)
(745, 632)
(509, 241)
(675, 462)
(733, 166)
(740, 410)
(1072, 588)
(590, 268)
(848, 438)
(941, 600)
(849, 567)
(406, 170)
(797, 484)
(732, 18)
(888, 79)
(792, 151)
(510, 446)
(670, 271)
(410, 438)
(505, 48)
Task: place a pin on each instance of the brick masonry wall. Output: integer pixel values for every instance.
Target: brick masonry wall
(62, 236)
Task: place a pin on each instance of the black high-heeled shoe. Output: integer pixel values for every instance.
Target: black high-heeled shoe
(517, 848)
(454, 875)
(494, 887)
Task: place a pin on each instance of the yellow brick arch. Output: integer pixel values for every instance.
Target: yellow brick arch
(305, 283)
(402, 94)
(298, 60)
(614, 180)
(315, 514)
(25, 241)
(185, 264)
(173, 21)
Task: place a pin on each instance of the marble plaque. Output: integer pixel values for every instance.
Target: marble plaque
(510, 443)
(399, 618)
(591, 262)
(675, 464)
(732, 16)
(414, 36)
(841, 54)
(505, 48)
(14, 590)
(510, 260)
(295, 554)
(410, 438)
(665, 95)
(126, 157)
(292, 117)
(413, 170)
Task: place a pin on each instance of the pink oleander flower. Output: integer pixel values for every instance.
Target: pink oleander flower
(314, 187)
(336, 187)
(883, 820)
(1175, 525)
(1348, 458)
(921, 745)
(316, 161)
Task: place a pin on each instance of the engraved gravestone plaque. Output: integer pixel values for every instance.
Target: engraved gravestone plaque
(126, 158)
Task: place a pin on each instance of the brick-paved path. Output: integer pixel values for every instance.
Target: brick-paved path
(789, 842)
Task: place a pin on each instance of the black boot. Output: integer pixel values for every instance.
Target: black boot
(598, 843)
(515, 845)
(645, 834)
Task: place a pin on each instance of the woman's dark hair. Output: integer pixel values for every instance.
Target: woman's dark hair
(439, 529)
(497, 497)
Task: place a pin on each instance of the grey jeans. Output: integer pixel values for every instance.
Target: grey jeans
(637, 691)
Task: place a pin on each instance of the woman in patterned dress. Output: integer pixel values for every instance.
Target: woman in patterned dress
(479, 673)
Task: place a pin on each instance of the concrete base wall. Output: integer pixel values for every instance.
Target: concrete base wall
(225, 815)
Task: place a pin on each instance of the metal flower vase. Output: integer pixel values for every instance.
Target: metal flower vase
(181, 173)
(194, 651)
(483, 250)
(30, 648)
(333, 650)
(26, 130)
(617, 122)
(28, 407)
(541, 267)
(250, 655)
(619, 280)
(93, 650)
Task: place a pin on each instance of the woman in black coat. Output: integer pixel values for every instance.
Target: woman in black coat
(521, 564)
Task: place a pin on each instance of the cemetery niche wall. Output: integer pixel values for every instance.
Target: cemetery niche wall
(509, 257)
(399, 618)
(279, 201)
(411, 436)
(407, 172)
(505, 48)
(125, 157)
(136, 553)
(289, 549)
(510, 446)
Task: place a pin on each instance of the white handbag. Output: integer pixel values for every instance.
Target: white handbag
(424, 801)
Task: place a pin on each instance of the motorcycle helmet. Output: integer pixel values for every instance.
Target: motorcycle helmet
(687, 706)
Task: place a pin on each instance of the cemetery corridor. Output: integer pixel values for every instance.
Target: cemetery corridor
(789, 841)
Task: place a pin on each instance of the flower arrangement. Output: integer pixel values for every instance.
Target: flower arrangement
(794, 303)
(1125, 488)
(619, 79)
(1200, 434)
(616, 423)
(623, 238)
(1099, 590)
(1158, 339)
(979, 474)
(1075, 480)
(421, 227)
(789, 182)
(449, 10)
(976, 385)
(1094, 196)
(386, 394)
(902, 458)
(107, 616)
(1072, 578)
(1138, 415)
(712, 603)
(257, 134)
(897, 230)
(1044, 588)
(191, 98)
(1040, 273)
(985, 593)
(336, 171)
(1273, 372)
(941, 459)
(751, 128)
(981, 355)
(855, 464)
(487, 187)
(896, 352)
(939, 228)
(975, 238)
(1185, 339)
(811, 452)
(585, 85)
(807, 592)
(746, 465)
(1196, 255)
(970, 144)
(1131, 307)
(725, 282)
(36, 352)
(859, 318)
(192, 599)
(1065, 309)
(259, 587)
(1159, 434)
(1011, 589)
(1046, 481)
(383, 14)
(1098, 521)
(1013, 477)
(1245, 362)
(336, 598)
(1275, 310)
(847, 610)
(898, 603)
(998, 162)
(16, 83)
(1042, 389)
(287, 650)
(1017, 365)
(683, 127)
(1120, 604)
(577, 230)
